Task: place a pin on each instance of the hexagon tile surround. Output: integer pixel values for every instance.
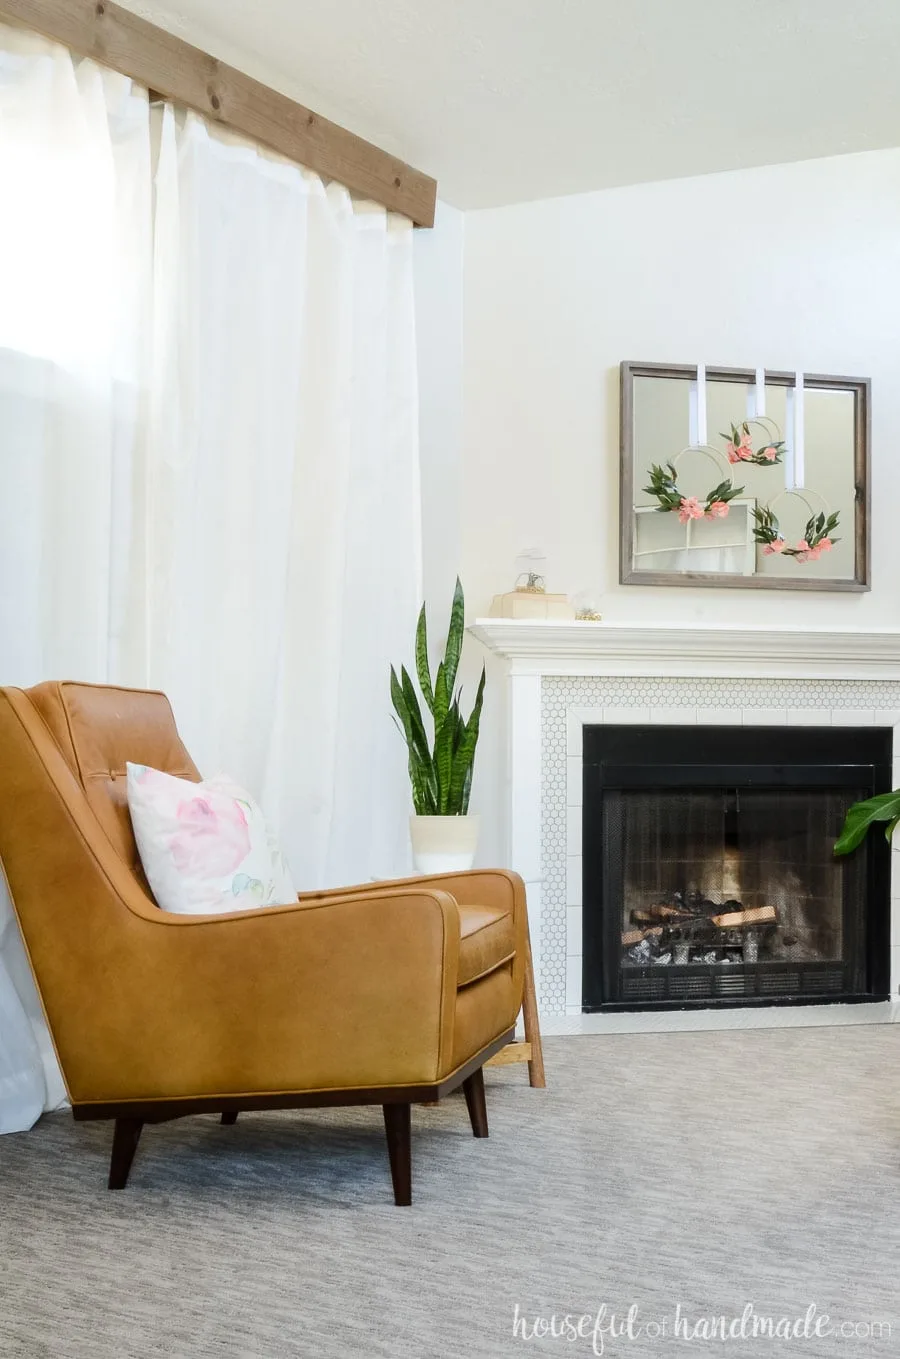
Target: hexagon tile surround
(560, 693)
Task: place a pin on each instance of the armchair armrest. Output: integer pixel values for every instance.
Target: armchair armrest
(499, 888)
(483, 886)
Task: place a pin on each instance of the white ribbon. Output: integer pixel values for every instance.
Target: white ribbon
(697, 408)
(795, 460)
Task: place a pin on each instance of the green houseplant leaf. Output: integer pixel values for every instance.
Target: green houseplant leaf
(440, 769)
(421, 773)
(465, 755)
(885, 807)
(453, 649)
(422, 671)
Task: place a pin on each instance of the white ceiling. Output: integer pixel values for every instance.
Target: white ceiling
(508, 100)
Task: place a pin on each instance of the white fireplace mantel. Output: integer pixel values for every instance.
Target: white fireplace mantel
(648, 649)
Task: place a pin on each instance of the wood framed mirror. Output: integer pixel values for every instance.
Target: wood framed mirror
(750, 479)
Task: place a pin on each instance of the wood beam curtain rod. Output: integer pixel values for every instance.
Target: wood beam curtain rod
(186, 75)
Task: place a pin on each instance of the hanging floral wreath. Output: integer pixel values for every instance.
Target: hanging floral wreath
(664, 487)
(816, 536)
(739, 445)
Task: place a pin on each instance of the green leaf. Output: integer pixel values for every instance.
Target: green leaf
(422, 670)
(863, 815)
(459, 726)
(420, 780)
(419, 738)
(467, 788)
(465, 755)
(443, 764)
(453, 649)
(420, 777)
(441, 697)
(400, 707)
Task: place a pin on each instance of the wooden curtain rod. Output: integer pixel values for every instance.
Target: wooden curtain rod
(115, 37)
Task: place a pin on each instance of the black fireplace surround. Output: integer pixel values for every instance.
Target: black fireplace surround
(709, 877)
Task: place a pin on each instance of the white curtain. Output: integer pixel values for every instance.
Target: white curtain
(209, 469)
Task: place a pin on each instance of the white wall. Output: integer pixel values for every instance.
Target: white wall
(791, 266)
(439, 257)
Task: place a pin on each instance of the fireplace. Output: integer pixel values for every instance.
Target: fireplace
(708, 873)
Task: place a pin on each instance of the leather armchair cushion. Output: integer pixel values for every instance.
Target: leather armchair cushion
(487, 941)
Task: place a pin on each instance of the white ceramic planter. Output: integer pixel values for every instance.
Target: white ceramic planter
(443, 844)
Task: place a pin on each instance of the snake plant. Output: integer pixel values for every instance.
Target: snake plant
(440, 772)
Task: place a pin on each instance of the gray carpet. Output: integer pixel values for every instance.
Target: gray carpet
(708, 1169)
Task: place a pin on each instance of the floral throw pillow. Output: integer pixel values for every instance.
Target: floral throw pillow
(205, 847)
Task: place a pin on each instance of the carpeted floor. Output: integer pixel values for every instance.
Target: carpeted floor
(710, 1170)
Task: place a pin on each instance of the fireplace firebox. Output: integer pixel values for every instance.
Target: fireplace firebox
(709, 877)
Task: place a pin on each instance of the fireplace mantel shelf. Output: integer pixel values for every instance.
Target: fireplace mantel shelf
(582, 648)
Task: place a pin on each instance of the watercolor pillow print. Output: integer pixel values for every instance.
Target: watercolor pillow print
(205, 847)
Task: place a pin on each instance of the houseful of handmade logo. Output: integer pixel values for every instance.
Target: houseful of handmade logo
(608, 1330)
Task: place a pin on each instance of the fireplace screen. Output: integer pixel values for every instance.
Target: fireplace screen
(731, 879)
(727, 890)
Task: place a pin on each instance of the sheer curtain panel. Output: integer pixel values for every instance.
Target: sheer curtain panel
(209, 464)
(75, 257)
(282, 508)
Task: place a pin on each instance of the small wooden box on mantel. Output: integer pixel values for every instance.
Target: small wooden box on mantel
(525, 604)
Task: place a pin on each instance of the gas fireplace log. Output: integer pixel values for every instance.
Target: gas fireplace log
(632, 937)
(755, 915)
(696, 930)
(669, 915)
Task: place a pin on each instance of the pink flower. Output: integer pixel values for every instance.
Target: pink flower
(717, 510)
(690, 509)
(776, 546)
(770, 453)
(814, 553)
(739, 452)
(215, 837)
(826, 545)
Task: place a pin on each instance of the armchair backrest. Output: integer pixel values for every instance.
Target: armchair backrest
(98, 728)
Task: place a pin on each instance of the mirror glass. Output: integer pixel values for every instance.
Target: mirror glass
(764, 499)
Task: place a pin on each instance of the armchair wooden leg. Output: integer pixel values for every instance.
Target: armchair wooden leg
(397, 1127)
(126, 1136)
(229, 1118)
(473, 1088)
(532, 1021)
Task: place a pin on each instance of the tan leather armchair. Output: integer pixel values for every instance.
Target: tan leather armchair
(391, 994)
